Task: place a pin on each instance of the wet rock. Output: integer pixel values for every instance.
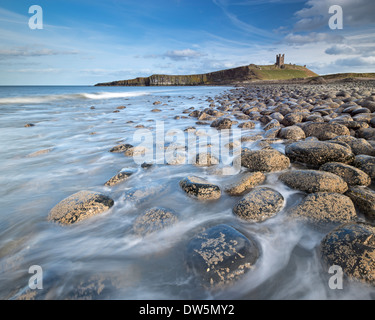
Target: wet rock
(140, 194)
(259, 204)
(292, 118)
(272, 133)
(39, 153)
(155, 110)
(351, 175)
(352, 247)
(368, 134)
(265, 160)
(272, 124)
(220, 255)
(79, 206)
(292, 133)
(156, 103)
(247, 182)
(247, 125)
(120, 177)
(318, 152)
(222, 123)
(365, 163)
(200, 188)
(205, 159)
(364, 198)
(121, 147)
(325, 208)
(358, 145)
(313, 181)
(153, 220)
(28, 125)
(324, 131)
(136, 151)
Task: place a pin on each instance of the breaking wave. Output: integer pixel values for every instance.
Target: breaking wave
(74, 96)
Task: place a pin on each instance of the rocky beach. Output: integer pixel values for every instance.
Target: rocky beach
(292, 195)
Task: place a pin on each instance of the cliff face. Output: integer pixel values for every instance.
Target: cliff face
(223, 77)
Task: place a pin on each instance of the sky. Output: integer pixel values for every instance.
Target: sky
(84, 42)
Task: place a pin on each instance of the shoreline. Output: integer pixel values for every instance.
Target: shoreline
(306, 169)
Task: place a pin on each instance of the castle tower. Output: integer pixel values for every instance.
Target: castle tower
(280, 60)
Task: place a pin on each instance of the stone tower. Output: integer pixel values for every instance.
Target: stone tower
(280, 60)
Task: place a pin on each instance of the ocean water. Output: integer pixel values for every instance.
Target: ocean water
(67, 150)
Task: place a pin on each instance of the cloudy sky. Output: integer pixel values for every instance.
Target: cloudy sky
(88, 41)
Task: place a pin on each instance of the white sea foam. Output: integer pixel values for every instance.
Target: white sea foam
(76, 96)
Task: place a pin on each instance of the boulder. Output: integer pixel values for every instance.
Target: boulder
(220, 255)
(247, 125)
(80, 206)
(364, 199)
(358, 145)
(222, 123)
(367, 133)
(259, 204)
(246, 182)
(324, 208)
(121, 147)
(365, 163)
(317, 153)
(140, 194)
(351, 175)
(200, 188)
(292, 133)
(324, 131)
(313, 181)
(205, 159)
(265, 160)
(352, 247)
(292, 118)
(120, 177)
(153, 220)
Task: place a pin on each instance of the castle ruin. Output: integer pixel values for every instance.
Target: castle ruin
(280, 61)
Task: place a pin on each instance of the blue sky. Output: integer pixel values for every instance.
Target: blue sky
(84, 42)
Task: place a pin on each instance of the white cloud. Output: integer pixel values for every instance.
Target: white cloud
(313, 37)
(183, 54)
(341, 49)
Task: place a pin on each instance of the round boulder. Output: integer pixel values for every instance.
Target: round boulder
(325, 131)
(364, 198)
(222, 123)
(351, 175)
(358, 145)
(120, 177)
(200, 188)
(220, 255)
(259, 204)
(317, 153)
(352, 247)
(366, 163)
(80, 206)
(141, 194)
(205, 159)
(265, 160)
(325, 207)
(313, 181)
(154, 219)
(292, 133)
(247, 182)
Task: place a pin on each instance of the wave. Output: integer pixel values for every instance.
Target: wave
(74, 96)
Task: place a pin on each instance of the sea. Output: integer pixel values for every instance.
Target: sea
(56, 141)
